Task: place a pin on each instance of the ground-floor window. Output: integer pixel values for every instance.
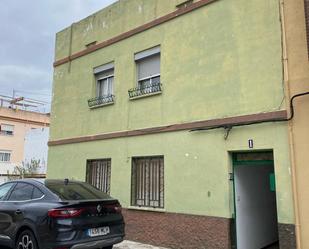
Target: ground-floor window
(5, 156)
(147, 183)
(98, 174)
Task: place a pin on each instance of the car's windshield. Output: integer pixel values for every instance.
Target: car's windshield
(75, 190)
(4, 189)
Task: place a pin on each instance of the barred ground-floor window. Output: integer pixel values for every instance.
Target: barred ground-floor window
(147, 182)
(98, 174)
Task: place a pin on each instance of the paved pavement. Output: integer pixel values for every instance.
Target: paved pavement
(134, 245)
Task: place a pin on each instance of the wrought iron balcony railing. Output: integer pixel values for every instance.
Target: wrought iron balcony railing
(102, 100)
(145, 90)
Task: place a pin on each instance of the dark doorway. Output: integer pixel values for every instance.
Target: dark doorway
(255, 200)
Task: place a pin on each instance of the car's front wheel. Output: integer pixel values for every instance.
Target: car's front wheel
(109, 247)
(26, 240)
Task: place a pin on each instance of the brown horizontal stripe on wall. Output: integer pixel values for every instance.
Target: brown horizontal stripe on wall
(278, 115)
(135, 31)
(24, 121)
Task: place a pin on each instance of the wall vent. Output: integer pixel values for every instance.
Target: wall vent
(184, 4)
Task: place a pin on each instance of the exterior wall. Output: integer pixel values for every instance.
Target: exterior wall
(298, 82)
(23, 122)
(169, 230)
(196, 165)
(232, 68)
(117, 18)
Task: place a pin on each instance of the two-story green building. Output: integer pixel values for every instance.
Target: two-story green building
(176, 108)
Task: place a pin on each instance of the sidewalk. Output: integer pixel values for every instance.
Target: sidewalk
(134, 245)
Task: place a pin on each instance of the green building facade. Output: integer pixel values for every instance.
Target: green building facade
(152, 101)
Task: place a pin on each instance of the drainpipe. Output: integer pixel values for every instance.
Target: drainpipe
(290, 127)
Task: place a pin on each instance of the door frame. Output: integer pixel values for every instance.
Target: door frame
(244, 163)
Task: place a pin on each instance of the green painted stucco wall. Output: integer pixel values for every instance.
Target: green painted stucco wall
(213, 64)
(221, 60)
(194, 163)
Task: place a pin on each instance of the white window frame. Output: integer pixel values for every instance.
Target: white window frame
(6, 152)
(143, 55)
(100, 80)
(149, 77)
(151, 87)
(5, 132)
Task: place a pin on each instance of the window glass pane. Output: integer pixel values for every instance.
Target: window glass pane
(110, 85)
(37, 193)
(5, 156)
(105, 87)
(148, 66)
(143, 84)
(254, 156)
(155, 80)
(100, 88)
(75, 191)
(21, 192)
(4, 189)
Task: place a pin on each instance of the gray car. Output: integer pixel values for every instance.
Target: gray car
(58, 214)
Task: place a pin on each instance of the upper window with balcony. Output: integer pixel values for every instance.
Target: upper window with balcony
(148, 73)
(6, 129)
(104, 76)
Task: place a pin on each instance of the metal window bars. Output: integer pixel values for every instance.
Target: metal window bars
(99, 174)
(144, 89)
(147, 184)
(101, 100)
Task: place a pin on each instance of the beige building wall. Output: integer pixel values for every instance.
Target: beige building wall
(297, 81)
(23, 121)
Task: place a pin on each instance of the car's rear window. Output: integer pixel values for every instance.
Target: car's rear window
(75, 190)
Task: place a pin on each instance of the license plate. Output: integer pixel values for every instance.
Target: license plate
(100, 231)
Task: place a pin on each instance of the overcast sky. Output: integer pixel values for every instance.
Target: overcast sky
(27, 40)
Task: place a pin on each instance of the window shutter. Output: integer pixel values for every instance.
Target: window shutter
(307, 21)
(147, 53)
(149, 66)
(105, 74)
(103, 68)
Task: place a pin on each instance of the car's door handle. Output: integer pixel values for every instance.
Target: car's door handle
(18, 211)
